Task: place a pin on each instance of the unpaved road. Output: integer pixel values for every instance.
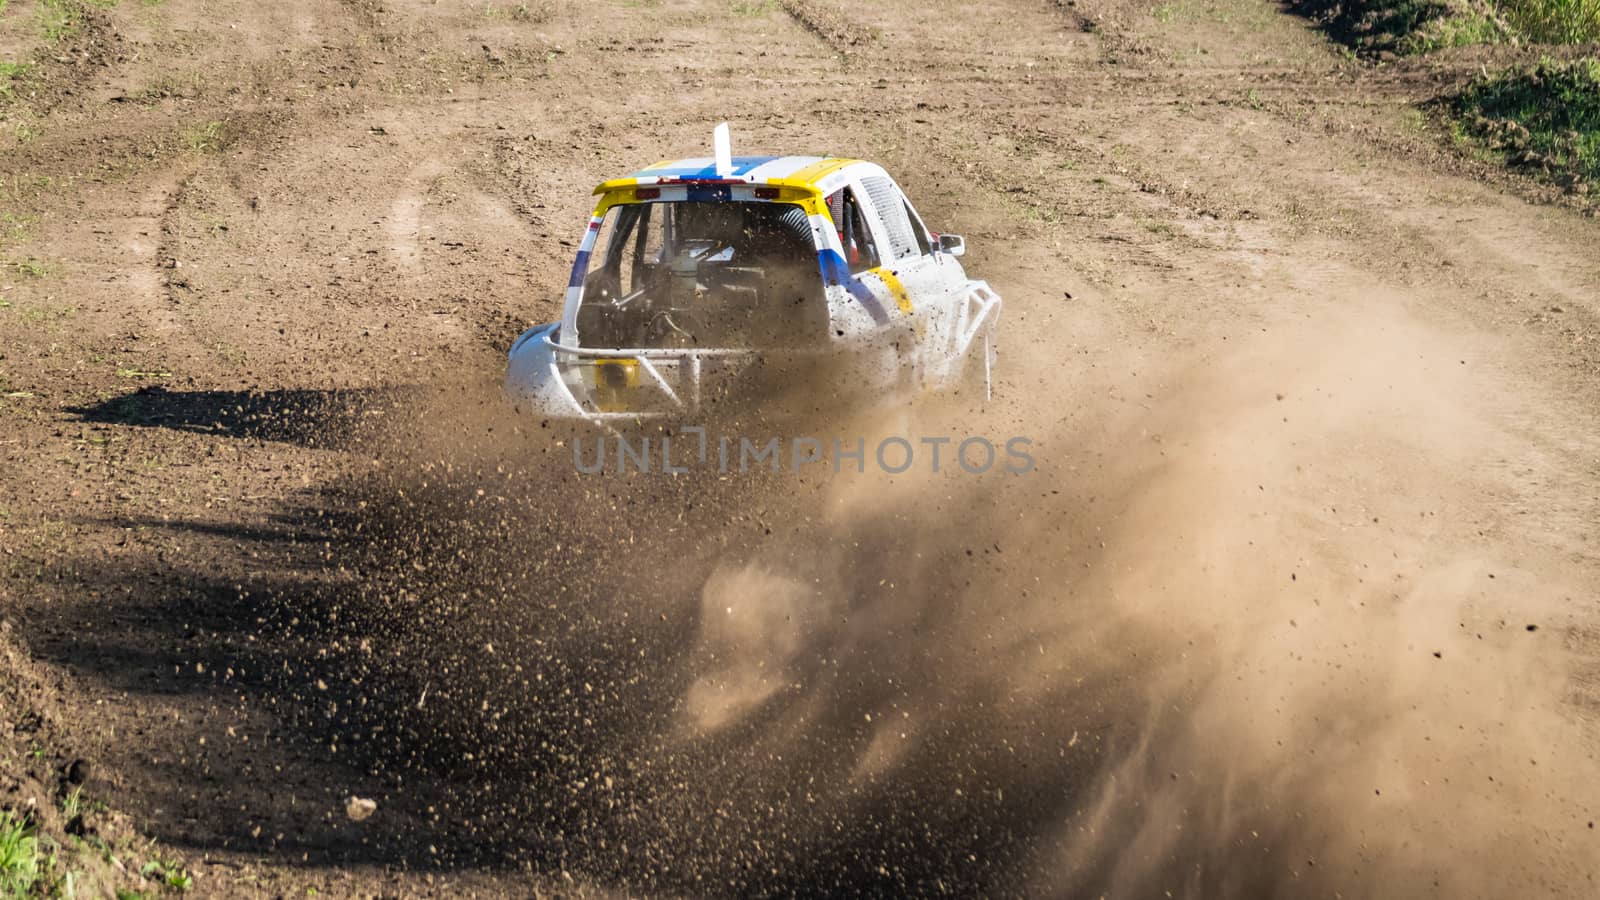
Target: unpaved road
(1302, 596)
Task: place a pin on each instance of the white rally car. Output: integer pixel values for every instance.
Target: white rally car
(695, 273)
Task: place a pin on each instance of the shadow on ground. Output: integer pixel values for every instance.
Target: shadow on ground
(327, 419)
(1370, 27)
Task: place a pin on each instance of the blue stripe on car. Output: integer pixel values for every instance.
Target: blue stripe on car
(580, 268)
(742, 166)
(836, 271)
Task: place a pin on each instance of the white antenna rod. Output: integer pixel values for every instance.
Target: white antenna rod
(723, 147)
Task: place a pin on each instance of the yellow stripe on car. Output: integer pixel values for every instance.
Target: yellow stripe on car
(897, 290)
(810, 175)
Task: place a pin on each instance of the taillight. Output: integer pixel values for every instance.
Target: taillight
(766, 193)
(648, 193)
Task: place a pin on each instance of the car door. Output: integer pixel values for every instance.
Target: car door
(923, 279)
(881, 330)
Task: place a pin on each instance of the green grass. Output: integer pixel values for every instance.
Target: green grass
(15, 228)
(32, 268)
(1463, 29)
(75, 804)
(48, 314)
(207, 138)
(21, 857)
(58, 18)
(10, 74)
(1554, 21)
(72, 805)
(1544, 118)
(1377, 27)
(168, 874)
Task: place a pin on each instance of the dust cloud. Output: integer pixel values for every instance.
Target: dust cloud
(1226, 639)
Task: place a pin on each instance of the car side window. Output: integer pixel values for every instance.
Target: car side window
(855, 235)
(890, 205)
(604, 278)
(647, 248)
(918, 230)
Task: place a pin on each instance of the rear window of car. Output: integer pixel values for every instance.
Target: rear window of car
(706, 274)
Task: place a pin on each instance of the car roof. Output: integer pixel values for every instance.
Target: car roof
(790, 171)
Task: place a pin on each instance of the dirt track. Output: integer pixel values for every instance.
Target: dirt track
(1302, 596)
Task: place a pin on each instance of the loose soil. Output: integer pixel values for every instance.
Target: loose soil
(1301, 597)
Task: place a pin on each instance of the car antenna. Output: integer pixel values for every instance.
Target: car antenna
(722, 145)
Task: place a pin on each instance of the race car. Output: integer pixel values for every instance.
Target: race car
(695, 274)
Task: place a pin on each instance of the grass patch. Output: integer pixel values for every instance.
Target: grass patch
(75, 804)
(168, 874)
(1554, 21)
(30, 267)
(1545, 119)
(58, 18)
(1369, 26)
(41, 315)
(1460, 29)
(21, 858)
(14, 228)
(10, 74)
(207, 138)
(1400, 27)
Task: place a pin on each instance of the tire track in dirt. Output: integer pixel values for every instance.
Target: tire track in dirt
(831, 26)
(404, 224)
(145, 237)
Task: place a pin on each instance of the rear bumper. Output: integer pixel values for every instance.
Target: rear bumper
(597, 384)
